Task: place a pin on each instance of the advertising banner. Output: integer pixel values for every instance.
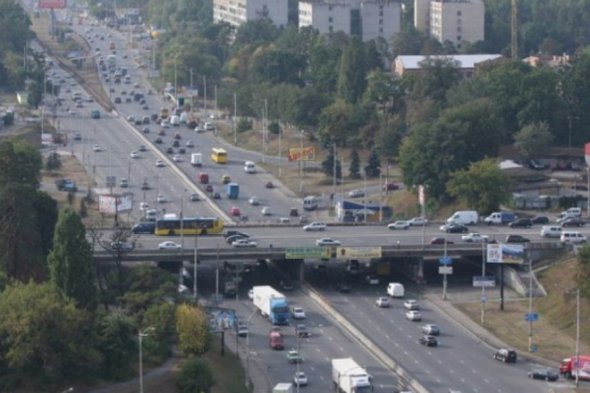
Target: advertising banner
(220, 318)
(47, 4)
(505, 253)
(358, 252)
(302, 153)
(115, 204)
(484, 281)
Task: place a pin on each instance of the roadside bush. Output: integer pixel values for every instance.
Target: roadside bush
(244, 125)
(53, 162)
(195, 377)
(192, 329)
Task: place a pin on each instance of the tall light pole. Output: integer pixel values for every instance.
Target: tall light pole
(380, 195)
(195, 261)
(140, 335)
(182, 221)
(301, 133)
(364, 196)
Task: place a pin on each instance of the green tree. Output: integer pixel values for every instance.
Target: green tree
(146, 287)
(483, 186)
(583, 268)
(163, 337)
(434, 79)
(373, 167)
(354, 170)
(195, 376)
(328, 166)
(533, 140)
(20, 163)
(46, 210)
(47, 337)
(192, 329)
(70, 262)
(116, 338)
(351, 75)
(336, 122)
(53, 162)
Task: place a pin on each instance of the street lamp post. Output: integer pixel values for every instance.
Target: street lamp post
(140, 335)
(195, 260)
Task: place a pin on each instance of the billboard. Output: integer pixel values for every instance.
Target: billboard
(47, 4)
(302, 153)
(114, 204)
(220, 318)
(505, 253)
(307, 252)
(358, 252)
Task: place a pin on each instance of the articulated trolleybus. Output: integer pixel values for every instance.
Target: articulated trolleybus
(188, 226)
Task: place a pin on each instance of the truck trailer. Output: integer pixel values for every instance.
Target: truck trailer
(570, 367)
(349, 377)
(500, 218)
(271, 304)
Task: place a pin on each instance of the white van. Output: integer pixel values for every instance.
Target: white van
(310, 203)
(197, 159)
(551, 231)
(571, 212)
(395, 289)
(249, 167)
(151, 214)
(464, 217)
(572, 237)
(174, 120)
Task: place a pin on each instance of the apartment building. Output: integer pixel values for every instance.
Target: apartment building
(237, 12)
(367, 19)
(456, 21)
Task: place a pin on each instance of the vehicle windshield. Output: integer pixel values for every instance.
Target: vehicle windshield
(280, 309)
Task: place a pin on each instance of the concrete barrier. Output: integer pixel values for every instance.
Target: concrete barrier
(403, 375)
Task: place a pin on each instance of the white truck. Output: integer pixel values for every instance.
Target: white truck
(271, 304)
(197, 159)
(283, 387)
(349, 377)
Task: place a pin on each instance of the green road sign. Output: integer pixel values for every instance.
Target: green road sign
(307, 252)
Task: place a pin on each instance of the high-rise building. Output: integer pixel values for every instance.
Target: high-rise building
(367, 19)
(237, 12)
(456, 21)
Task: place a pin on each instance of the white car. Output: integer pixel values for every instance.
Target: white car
(97, 148)
(315, 226)
(199, 129)
(326, 241)
(134, 154)
(399, 225)
(143, 206)
(177, 158)
(356, 193)
(474, 237)
(253, 201)
(266, 211)
(298, 313)
(414, 315)
(209, 126)
(382, 301)
(160, 164)
(411, 305)
(243, 243)
(251, 294)
(189, 144)
(164, 124)
(300, 379)
(161, 198)
(418, 221)
(168, 245)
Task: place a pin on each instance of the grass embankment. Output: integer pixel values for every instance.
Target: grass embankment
(554, 333)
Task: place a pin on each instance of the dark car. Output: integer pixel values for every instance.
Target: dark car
(544, 373)
(456, 228)
(286, 285)
(176, 143)
(521, 223)
(505, 355)
(517, 239)
(232, 233)
(573, 222)
(301, 331)
(540, 220)
(182, 150)
(144, 227)
(343, 287)
(170, 150)
(117, 100)
(390, 187)
(145, 130)
(158, 141)
(440, 240)
(429, 341)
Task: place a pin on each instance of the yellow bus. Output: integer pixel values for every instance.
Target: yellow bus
(189, 226)
(219, 155)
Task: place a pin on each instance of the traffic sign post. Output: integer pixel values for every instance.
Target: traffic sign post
(445, 269)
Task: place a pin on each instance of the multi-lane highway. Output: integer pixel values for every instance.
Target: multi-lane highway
(461, 362)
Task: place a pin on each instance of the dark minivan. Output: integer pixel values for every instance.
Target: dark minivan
(505, 355)
(144, 227)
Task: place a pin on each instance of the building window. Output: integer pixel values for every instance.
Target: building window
(459, 38)
(329, 8)
(381, 13)
(381, 21)
(330, 29)
(330, 19)
(458, 29)
(381, 30)
(458, 13)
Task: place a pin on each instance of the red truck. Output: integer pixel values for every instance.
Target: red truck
(568, 367)
(275, 340)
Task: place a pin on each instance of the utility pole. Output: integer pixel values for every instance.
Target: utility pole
(577, 337)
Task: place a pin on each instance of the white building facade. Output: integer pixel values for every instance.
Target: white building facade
(456, 21)
(368, 19)
(238, 12)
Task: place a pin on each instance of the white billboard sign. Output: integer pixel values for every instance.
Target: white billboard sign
(115, 204)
